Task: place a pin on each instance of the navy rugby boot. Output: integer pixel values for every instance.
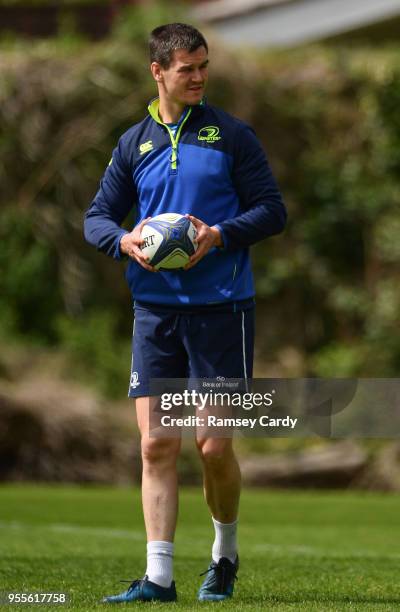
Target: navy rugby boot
(144, 590)
(218, 584)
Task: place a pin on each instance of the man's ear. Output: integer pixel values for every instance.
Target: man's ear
(156, 71)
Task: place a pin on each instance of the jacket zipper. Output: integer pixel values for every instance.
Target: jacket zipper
(153, 110)
(174, 143)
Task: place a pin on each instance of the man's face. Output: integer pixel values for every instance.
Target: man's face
(184, 81)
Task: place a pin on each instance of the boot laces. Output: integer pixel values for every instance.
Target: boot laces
(133, 584)
(223, 575)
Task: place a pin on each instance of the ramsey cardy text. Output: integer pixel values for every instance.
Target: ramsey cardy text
(214, 421)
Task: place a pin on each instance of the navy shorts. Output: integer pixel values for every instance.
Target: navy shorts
(203, 342)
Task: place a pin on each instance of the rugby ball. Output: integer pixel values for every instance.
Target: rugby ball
(168, 241)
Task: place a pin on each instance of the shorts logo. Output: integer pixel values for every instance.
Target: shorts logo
(145, 147)
(209, 133)
(134, 380)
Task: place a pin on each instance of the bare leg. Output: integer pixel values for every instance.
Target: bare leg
(159, 479)
(222, 480)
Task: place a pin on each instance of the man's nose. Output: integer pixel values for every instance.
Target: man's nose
(197, 76)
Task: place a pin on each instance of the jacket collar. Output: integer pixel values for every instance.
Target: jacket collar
(154, 105)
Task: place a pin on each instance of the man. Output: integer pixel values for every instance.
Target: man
(187, 157)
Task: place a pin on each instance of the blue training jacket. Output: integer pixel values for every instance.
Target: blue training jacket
(213, 168)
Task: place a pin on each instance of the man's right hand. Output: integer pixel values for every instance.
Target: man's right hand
(130, 245)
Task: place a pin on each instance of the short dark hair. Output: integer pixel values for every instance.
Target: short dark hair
(167, 38)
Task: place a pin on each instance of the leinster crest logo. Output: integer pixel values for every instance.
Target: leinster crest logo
(209, 133)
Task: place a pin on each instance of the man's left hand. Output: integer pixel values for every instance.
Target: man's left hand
(207, 237)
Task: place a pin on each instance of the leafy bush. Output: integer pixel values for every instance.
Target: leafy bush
(30, 295)
(98, 356)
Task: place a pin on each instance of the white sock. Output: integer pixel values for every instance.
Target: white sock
(225, 544)
(160, 556)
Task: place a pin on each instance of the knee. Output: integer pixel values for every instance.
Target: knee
(159, 451)
(215, 452)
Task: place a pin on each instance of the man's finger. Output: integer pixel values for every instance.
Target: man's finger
(146, 266)
(200, 236)
(196, 222)
(143, 261)
(194, 259)
(144, 221)
(138, 230)
(139, 254)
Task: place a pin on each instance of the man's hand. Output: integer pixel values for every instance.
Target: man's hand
(130, 245)
(207, 237)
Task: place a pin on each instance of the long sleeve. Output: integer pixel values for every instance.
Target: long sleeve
(264, 211)
(111, 205)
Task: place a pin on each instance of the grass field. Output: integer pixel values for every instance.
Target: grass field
(299, 551)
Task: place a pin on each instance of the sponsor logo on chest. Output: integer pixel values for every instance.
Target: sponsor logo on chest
(210, 133)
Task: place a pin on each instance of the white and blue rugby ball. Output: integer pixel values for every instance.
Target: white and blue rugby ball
(168, 241)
